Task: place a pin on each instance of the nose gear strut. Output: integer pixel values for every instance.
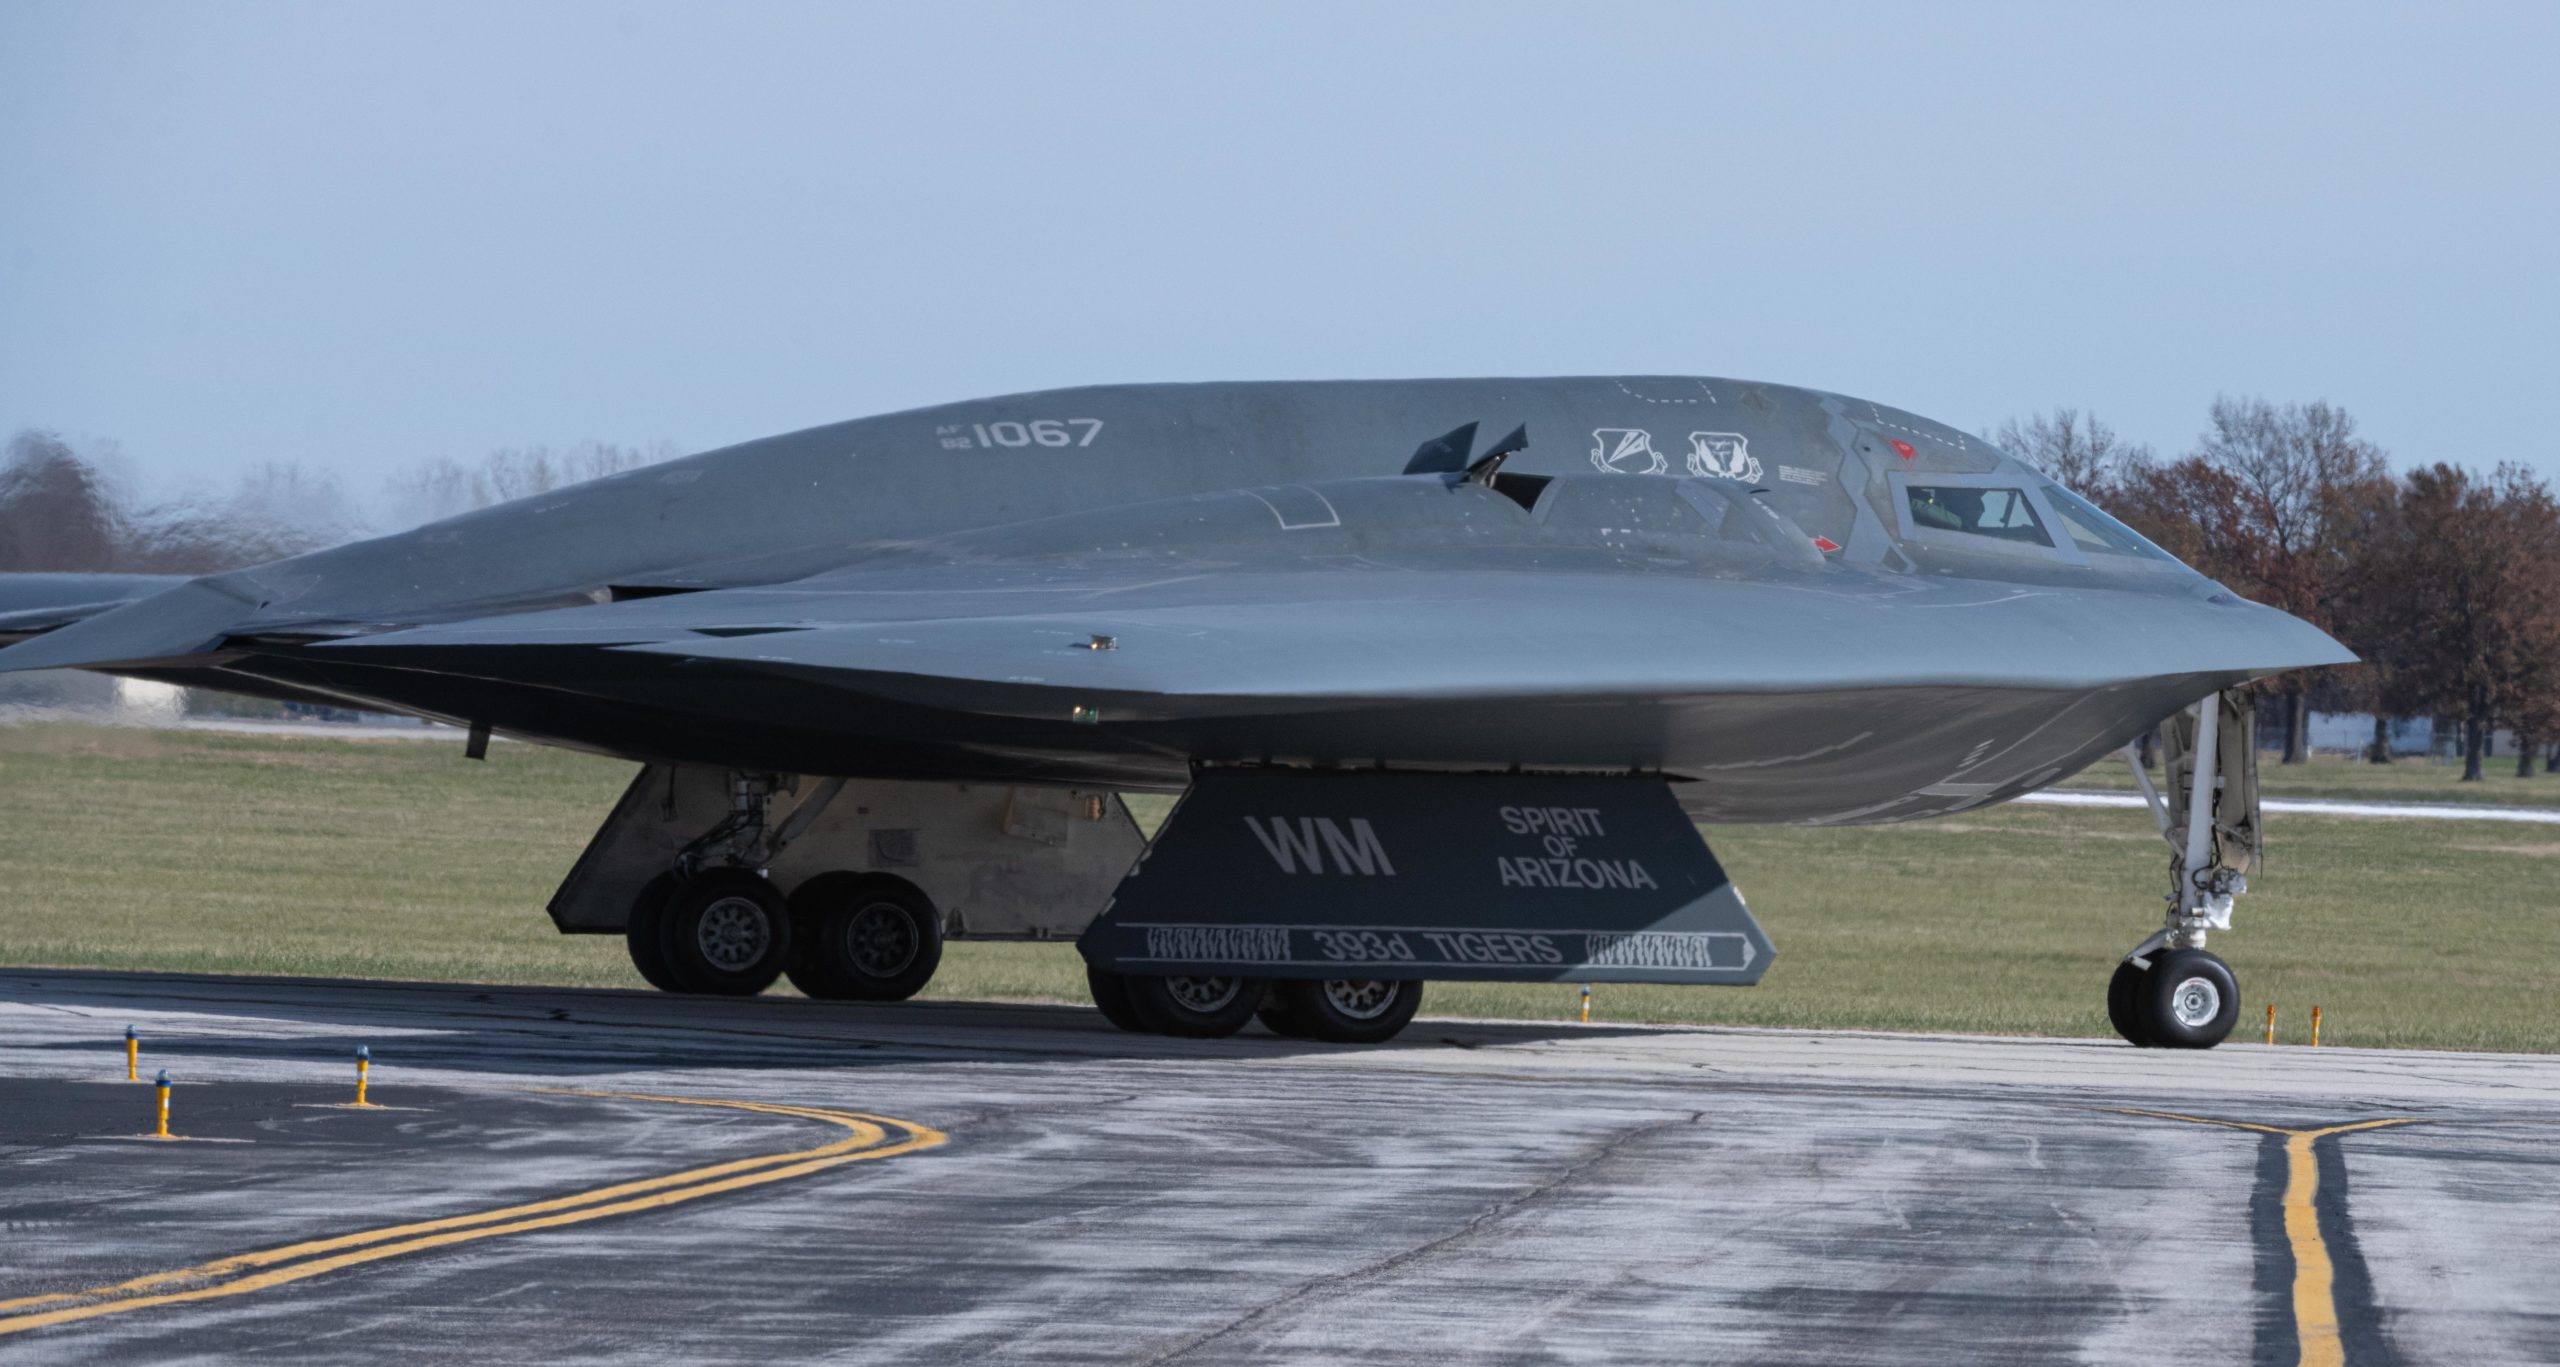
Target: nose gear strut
(2168, 992)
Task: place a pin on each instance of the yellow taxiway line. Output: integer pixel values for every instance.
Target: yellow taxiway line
(869, 1139)
(2315, 1302)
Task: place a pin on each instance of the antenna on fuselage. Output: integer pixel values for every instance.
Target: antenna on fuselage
(1444, 455)
(1489, 464)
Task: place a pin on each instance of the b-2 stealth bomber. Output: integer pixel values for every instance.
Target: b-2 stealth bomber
(1445, 672)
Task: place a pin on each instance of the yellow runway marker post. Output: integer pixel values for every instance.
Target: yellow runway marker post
(2315, 1027)
(2315, 1301)
(161, 1084)
(868, 1139)
(1586, 1003)
(364, 1067)
(2271, 1022)
(132, 1055)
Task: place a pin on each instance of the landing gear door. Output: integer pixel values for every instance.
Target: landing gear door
(1285, 873)
(2238, 839)
(996, 862)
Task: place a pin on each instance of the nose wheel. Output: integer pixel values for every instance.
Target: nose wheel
(2169, 993)
(2174, 999)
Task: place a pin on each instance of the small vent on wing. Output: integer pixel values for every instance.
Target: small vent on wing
(632, 593)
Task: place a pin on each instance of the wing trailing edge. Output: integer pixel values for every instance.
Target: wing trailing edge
(32, 605)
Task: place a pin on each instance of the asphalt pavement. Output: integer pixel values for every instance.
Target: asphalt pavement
(557, 1175)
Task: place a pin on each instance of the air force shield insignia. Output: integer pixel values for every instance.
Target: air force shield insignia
(1712, 455)
(1626, 451)
(1723, 455)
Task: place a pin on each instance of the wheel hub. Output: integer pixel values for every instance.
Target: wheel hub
(1359, 998)
(733, 934)
(881, 939)
(1203, 995)
(2196, 1002)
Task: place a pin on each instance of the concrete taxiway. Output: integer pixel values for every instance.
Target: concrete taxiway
(591, 1176)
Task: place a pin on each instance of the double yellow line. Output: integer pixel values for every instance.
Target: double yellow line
(2315, 1303)
(869, 1138)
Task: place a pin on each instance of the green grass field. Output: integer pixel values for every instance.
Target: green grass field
(396, 859)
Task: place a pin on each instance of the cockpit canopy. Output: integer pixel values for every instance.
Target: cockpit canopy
(2010, 512)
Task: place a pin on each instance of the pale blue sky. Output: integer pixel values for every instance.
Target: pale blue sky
(358, 235)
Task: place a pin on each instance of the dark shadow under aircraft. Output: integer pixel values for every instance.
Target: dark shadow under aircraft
(1438, 712)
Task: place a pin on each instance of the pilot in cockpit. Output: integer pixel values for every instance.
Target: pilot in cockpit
(1947, 509)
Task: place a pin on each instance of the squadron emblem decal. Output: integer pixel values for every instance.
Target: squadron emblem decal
(1722, 455)
(1712, 455)
(1625, 451)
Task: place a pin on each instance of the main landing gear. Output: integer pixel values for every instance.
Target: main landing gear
(1334, 1010)
(714, 924)
(2169, 993)
(863, 937)
(723, 931)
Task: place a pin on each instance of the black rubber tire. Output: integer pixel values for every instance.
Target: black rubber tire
(2122, 990)
(640, 934)
(1176, 1005)
(1276, 1017)
(735, 897)
(2188, 973)
(810, 979)
(806, 968)
(878, 937)
(1313, 1009)
(1111, 994)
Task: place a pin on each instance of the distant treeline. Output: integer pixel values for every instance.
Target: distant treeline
(2446, 580)
(72, 508)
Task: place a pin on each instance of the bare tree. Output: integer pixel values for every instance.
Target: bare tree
(276, 510)
(444, 487)
(2076, 449)
(57, 510)
(60, 509)
(2293, 461)
(284, 508)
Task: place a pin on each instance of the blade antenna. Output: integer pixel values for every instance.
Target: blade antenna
(1489, 464)
(1443, 455)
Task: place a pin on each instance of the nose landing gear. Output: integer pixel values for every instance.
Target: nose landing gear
(2174, 999)
(2169, 993)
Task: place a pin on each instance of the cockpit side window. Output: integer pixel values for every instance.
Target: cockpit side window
(1995, 512)
(2092, 530)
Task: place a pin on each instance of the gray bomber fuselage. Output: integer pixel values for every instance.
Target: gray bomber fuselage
(1808, 607)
